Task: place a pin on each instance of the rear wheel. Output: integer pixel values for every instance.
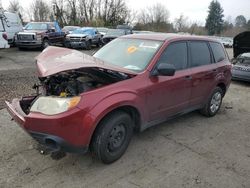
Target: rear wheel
(112, 137)
(214, 103)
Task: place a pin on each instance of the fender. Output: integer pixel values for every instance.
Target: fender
(112, 102)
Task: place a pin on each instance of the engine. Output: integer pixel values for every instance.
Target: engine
(66, 85)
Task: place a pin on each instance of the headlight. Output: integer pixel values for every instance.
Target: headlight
(54, 105)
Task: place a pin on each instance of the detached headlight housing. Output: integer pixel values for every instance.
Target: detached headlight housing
(54, 105)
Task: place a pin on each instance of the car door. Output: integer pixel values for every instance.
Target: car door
(203, 71)
(51, 33)
(59, 34)
(169, 95)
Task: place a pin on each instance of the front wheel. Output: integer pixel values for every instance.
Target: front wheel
(45, 43)
(214, 103)
(88, 45)
(112, 137)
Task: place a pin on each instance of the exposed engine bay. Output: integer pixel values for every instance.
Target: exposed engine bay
(74, 82)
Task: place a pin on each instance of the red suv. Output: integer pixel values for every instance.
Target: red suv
(134, 82)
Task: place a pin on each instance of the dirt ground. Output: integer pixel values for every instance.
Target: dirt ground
(191, 151)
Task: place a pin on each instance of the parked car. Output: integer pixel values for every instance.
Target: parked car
(69, 29)
(241, 43)
(227, 42)
(102, 30)
(126, 28)
(40, 35)
(113, 34)
(13, 25)
(3, 36)
(241, 68)
(132, 83)
(83, 38)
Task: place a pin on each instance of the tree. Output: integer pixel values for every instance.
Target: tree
(181, 23)
(154, 18)
(240, 21)
(248, 25)
(15, 6)
(214, 21)
(59, 11)
(41, 11)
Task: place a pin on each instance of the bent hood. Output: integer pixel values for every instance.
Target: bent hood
(77, 35)
(55, 59)
(241, 43)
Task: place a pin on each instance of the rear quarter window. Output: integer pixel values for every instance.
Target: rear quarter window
(200, 53)
(218, 51)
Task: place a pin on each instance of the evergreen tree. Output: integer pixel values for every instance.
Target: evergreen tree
(214, 21)
(240, 21)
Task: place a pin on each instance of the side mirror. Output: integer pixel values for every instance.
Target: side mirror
(163, 69)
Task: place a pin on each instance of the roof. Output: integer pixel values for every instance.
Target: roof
(166, 36)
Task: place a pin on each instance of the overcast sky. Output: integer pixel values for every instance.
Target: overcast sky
(195, 10)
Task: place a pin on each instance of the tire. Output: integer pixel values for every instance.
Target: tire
(99, 44)
(213, 104)
(45, 43)
(88, 45)
(112, 137)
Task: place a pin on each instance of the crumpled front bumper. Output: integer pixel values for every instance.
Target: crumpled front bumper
(51, 133)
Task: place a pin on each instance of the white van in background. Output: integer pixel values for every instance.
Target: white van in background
(12, 25)
(3, 36)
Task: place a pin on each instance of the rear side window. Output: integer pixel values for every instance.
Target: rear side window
(175, 54)
(200, 54)
(218, 51)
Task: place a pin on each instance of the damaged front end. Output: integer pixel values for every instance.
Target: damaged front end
(53, 116)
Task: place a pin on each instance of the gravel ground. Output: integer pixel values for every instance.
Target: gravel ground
(191, 151)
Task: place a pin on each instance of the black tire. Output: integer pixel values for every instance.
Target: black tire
(88, 45)
(99, 43)
(213, 104)
(45, 43)
(112, 137)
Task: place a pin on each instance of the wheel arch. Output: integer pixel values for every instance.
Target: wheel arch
(132, 111)
(223, 87)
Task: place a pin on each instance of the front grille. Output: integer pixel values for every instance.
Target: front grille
(75, 39)
(26, 37)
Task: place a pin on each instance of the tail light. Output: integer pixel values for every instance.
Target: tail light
(5, 36)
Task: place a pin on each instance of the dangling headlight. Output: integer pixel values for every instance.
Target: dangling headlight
(54, 105)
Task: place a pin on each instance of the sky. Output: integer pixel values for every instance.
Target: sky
(195, 10)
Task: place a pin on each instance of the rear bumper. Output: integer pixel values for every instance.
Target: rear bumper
(64, 132)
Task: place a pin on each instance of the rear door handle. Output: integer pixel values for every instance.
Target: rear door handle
(188, 77)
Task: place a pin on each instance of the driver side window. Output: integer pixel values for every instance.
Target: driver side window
(175, 54)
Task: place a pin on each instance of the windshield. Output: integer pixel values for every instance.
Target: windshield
(131, 54)
(70, 28)
(36, 26)
(100, 29)
(116, 32)
(83, 31)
